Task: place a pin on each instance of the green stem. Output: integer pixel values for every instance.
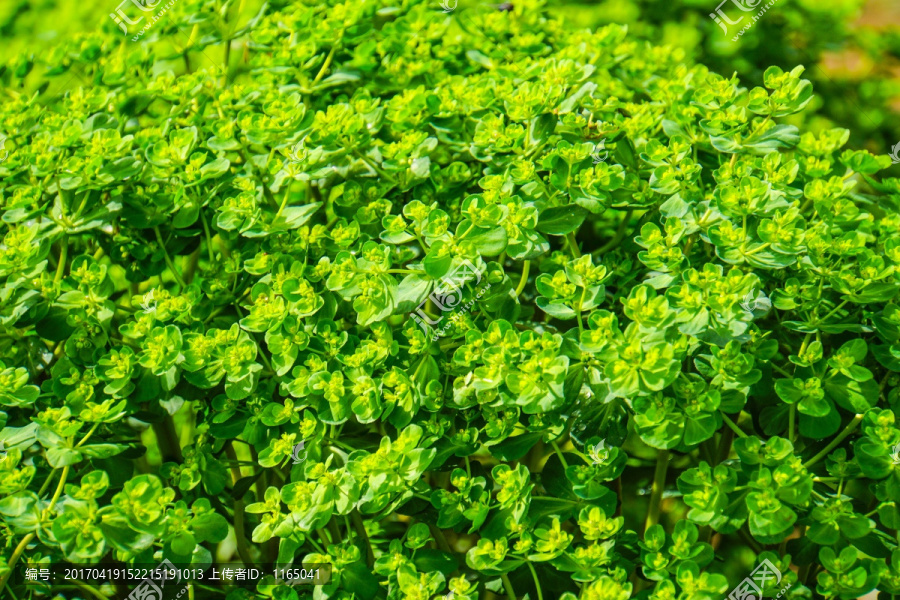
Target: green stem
(573, 244)
(560, 455)
(524, 278)
(732, 425)
(439, 536)
(756, 250)
(167, 440)
(315, 544)
(705, 453)
(240, 539)
(761, 125)
(724, 448)
(578, 314)
(687, 247)
(326, 64)
(792, 417)
(537, 584)
(378, 170)
(510, 592)
(63, 254)
(16, 555)
(168, 258)
(340, 444)
(620, 235)
(803, 574)
(850, 428)
(834, 310)
(323, 537)
(750, 541)
(780, 370)
(88, 434)
(192, 264)
(265, 360)
(659, 484)
(287, 193)
(57, 494)
(333, 530)
(805, 343)
(46, 483)
(360, 528)
(20, 549)
(209, 244)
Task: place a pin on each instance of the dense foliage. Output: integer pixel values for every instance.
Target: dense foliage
(666, 286)
(851, 46)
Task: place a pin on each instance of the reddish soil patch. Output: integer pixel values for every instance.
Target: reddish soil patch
(881, 14)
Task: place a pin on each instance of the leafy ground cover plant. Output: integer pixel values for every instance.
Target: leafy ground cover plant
(553, 312)
(852, 49)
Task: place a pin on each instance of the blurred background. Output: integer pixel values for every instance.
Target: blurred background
(851, 48)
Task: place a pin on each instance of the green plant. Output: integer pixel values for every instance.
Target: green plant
(861, 96)
(205, 264)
